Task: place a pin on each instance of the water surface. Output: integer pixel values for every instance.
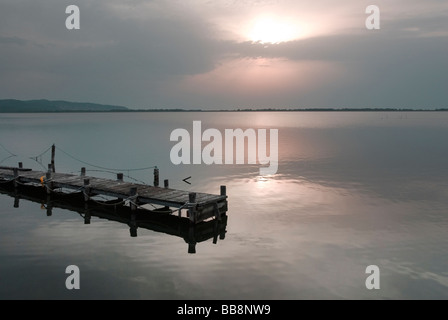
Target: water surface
(353, 189)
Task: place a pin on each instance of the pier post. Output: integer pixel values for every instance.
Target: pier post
(223, 190)
(16, 201)
(192, 206)
(120, 179)
(49, 184)
(53, 153)
(133, 226)
(20, 165)
(49, 206)
(166, 183)
(156, 177)
(16, 177)
(87, 214)
(83, 172)
(191, 240)
(86, 189)
(133, 193)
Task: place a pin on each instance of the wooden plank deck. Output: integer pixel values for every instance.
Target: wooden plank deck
(172, 225)
(201, 206)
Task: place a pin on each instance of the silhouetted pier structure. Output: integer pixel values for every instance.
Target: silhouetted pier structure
(155, 220)
(198, 206)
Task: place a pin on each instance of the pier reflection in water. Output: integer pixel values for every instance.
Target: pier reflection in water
(158, 220)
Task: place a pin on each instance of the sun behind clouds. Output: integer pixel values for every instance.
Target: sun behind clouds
(271, 29)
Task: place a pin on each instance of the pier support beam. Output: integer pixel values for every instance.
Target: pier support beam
(48, 183)
(49, 206)
(134, 199)
(16, 201)
(86, 190)
(120, 179)
(133, 226)
(156, 177)
(192, 207)
(87, 214)
(16, 178)
(53, 153)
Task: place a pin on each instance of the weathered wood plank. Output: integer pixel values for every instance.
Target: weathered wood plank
(120, 189)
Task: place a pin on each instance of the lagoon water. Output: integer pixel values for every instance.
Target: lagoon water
(353, 189)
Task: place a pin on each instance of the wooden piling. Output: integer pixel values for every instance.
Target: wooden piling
(16, 177)
(86, 189)
(20, 165)
(87, 215)
(133, 226)
(120, 177)
(16, 202)
(166, 183)
(48, 182)
(133, 193)
(192, 206)
(83, 172)
(156, 177)
(223, 190)
(53, 153)
(49, 206)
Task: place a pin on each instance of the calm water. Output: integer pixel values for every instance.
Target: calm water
(352, 190)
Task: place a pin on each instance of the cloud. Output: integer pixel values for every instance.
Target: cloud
(196, 53)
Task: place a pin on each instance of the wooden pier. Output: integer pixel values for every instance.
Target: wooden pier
(198, 206)
(155, 220)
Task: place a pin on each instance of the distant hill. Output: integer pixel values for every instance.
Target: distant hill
(11, 105)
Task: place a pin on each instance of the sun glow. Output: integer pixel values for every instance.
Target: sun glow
(273, 30)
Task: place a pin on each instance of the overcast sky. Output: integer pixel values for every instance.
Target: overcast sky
(226, 53)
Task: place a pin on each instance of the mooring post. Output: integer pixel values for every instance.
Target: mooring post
(192, 206)
(87, 214)
(49, 184)
(156, 177)
(215, 231)
(49, 206)
(134, 196)
(191, 240)
(83, 172)
(53, 153)
(16, 177)
(16, 201)
(120, 177)
(133, 226)
(166, 183)
(20, 165)
(86, 189)
(223, 190)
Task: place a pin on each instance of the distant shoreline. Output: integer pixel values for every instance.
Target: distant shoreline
(239, 110)
(62, 106)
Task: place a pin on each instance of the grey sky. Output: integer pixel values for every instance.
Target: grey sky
(200, 54)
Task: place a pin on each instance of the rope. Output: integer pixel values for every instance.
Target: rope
(4, 148)
(100, 167)
(8, 157)
(38, 158)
